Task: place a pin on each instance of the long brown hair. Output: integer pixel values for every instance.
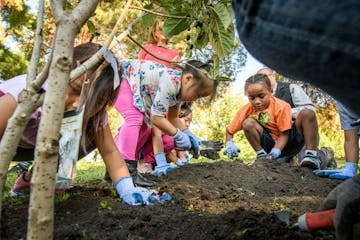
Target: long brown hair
(154, 28)
(98, 93)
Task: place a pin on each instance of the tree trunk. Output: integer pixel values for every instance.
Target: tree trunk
(41, 207)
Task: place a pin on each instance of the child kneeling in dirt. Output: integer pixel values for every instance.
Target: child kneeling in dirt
(178, 157)
(268, 125)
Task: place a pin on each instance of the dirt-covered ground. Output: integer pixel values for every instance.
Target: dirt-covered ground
(218, 200)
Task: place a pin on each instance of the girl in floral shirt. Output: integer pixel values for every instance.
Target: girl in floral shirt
(148, 92)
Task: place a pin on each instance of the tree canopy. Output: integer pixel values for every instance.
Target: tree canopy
(201, 29)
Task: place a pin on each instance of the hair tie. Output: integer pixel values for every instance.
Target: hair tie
(109, 57)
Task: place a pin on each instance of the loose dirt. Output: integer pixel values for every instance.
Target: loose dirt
(217, 200)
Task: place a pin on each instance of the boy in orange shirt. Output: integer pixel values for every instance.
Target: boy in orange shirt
(267, 123)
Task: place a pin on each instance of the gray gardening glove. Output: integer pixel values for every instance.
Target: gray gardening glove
(345, 198)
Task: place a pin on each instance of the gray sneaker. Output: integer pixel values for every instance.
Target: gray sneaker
(327, 158)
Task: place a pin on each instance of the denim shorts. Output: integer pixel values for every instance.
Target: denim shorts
(346, 117)
(312, 41)
(292, 147)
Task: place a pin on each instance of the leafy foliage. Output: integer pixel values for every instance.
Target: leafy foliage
(11, 64)
(19, 22)
(209, 24)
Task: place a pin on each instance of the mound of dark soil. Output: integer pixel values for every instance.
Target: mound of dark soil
(220, 200)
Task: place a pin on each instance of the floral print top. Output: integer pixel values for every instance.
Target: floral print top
(155, 87)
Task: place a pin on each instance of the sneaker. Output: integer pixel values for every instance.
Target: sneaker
(145, 168)
(261, 156)
(327, 158)
(19, 185)
(310, 161)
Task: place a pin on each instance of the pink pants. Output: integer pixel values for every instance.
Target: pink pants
(134, 132)
(148, 150)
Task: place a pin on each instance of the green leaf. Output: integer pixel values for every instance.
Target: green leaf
(223, 14)
(221, 40)
(174, 26)
(91, 26)
(223, 79)
(231, 13)
(148, 20)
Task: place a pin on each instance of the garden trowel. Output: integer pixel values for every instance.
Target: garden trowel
(208, 149)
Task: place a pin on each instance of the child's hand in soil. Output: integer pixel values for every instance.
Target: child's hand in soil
(163, 170)
(231, 150)
(136, 196)
(194, 143)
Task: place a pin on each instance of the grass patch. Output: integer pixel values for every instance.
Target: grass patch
(89, 171)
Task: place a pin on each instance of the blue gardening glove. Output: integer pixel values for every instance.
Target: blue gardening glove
(162, 167)
(194, 143)
(182, 163)
(182, 140)
(231, 150)
(275, 152)
(348, 171)
(136, 196)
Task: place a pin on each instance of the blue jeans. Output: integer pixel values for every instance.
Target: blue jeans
(312, 41)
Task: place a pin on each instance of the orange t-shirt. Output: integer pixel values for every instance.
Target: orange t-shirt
(276, 118)
(161, 52)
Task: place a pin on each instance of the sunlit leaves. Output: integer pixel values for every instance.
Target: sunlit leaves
(221, 39)
(174, 26)
(224, 14)
(11, 64)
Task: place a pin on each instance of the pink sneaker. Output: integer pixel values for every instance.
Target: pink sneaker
(145, 168)
(19, 185)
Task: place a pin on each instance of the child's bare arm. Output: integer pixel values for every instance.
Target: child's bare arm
(282, 140)
(113, 159)
(7, 106)
(164, 125)
(173, 116)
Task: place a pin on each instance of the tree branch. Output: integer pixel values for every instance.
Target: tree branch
(125, 33)
(118, 23)
(161, 14)
(162, 59)
(35, 55)
(83, 11)
(98, 57)
(40, 79)
(57, 8)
